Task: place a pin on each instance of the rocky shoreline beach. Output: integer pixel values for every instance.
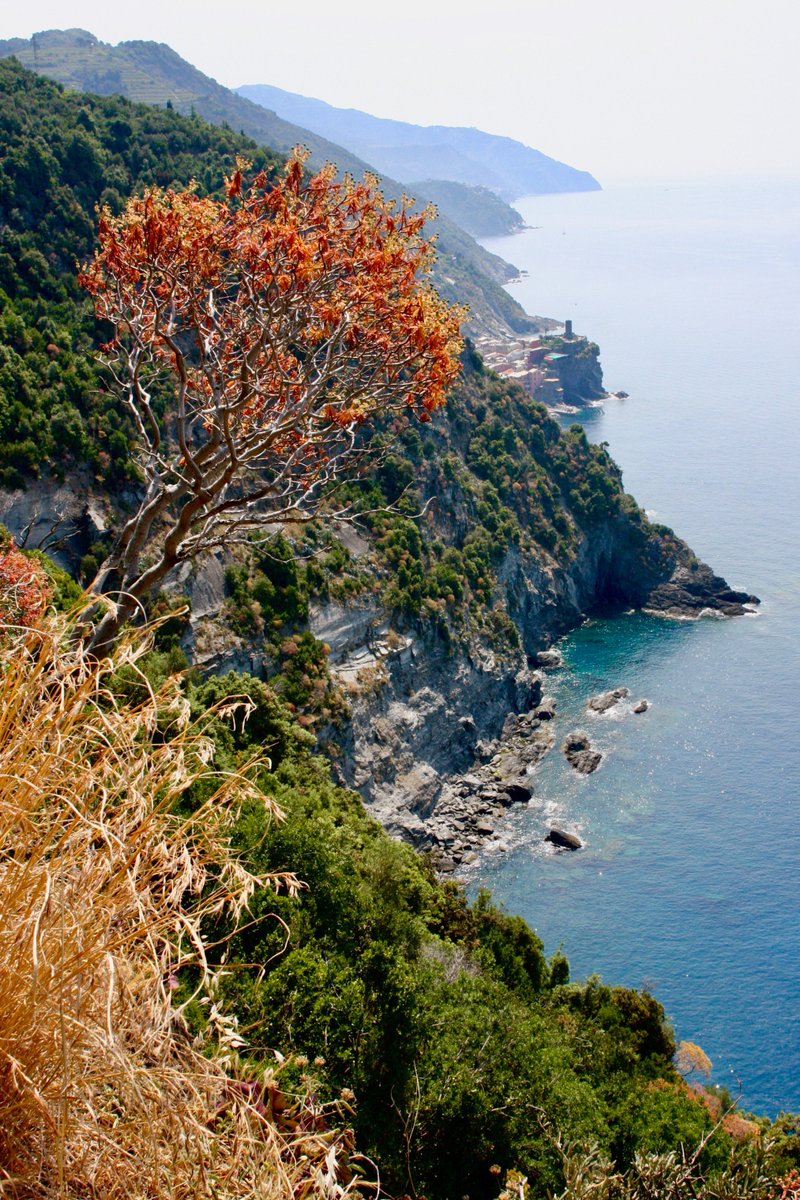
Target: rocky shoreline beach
(471, 806)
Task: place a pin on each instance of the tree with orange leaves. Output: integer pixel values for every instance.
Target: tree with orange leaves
(279, 321)
(25, 591)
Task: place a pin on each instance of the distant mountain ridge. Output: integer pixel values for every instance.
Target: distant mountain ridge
(474, 207)
(153, 73)
(422, 152)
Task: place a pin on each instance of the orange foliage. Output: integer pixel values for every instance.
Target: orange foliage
(789, 1186)
(24, 589)
(300, 307)
(281, 319)
(739, 1128)
(690, 1057)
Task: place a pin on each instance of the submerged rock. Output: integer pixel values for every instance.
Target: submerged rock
(579, 753)
(568, 841)
(602, 703)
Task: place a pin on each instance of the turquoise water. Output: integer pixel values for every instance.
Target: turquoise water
(689, 881)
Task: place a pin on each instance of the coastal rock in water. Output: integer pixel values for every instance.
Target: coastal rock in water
(560, 837)
(641, 706)
(549, 659)
(602, 703)
(579, 753)
(693, 589)
(518, 793)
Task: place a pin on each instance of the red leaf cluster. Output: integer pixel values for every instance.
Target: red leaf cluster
(789, 1186)
(272, 325)
(25, 590)
(300, 308)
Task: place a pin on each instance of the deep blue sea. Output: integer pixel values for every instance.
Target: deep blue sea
(689, 882)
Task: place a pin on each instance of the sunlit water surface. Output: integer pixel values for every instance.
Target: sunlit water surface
(689, 881)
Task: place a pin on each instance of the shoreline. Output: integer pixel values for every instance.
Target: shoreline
(555, 366)
(464, 818)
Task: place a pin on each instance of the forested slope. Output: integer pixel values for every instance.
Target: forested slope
(153, 73)
(61, 155)
(465, 1054)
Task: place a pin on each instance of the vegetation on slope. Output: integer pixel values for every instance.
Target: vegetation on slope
(107, 889)
(470, 1059)
(151, 72)
(62, 154)
(496, 477)
(481, 212)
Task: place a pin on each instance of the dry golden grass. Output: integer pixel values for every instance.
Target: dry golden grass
(104, 892)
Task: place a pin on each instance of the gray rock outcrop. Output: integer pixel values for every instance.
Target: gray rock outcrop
(607, 700)
(567, 841)
(548, 660)
(579, 753)
(62, 518)
(431, 785)
(693, 590)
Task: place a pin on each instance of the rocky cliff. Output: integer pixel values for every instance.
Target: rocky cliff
(483, 537)
(576, 362)
(443, 734)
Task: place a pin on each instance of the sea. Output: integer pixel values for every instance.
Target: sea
(688, 882)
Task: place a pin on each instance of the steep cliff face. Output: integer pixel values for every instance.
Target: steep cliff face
(433, 744)
(576, 362)
(484, 536)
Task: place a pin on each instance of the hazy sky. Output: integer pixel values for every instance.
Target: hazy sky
(666, 89)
